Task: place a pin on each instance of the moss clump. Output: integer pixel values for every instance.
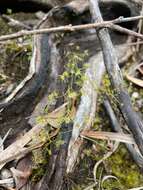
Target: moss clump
(112, 184)
(40, 161)
(37, 173)
(125, 169)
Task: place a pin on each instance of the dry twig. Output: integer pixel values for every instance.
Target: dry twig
(70, 28)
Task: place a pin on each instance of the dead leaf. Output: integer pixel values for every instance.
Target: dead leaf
(134, 80)
(22, 172)
(120, 137)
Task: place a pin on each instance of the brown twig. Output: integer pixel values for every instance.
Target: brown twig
(124, 30)
(70, 28)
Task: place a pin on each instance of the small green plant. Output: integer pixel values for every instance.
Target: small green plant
(16, 55)
(9, 11)
(74, 73)
(72, 77)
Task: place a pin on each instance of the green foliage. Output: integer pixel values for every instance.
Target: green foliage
(108, 90)
(16, 57)
(37, 174)
(40, 156)
(112, 184)
(74, 73)
(73, 77)
(51, 100)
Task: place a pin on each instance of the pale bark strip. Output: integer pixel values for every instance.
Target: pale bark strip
(86, 111)
(111, 62)
(17, 149)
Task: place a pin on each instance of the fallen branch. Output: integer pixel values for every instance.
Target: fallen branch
(70, 28)
(125, 31)
(111, 62)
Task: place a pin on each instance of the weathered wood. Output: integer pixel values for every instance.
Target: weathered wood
(21, 102)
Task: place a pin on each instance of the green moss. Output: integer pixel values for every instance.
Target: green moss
(17, 58)
(112, 184)
(107, 89)
(37, 173)
(40, 161)
(125, 169)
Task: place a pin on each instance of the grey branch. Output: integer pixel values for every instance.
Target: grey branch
(70, 28)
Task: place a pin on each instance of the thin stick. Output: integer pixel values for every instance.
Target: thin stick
(14, 22)
(124, 30)
(70, 28)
